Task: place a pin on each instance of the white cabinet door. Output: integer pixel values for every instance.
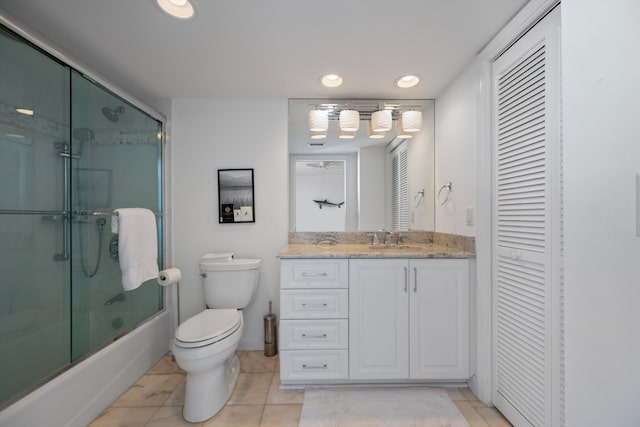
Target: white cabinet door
(378, 319)
(439, 319)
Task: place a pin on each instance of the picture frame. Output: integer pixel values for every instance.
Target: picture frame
(235, 196)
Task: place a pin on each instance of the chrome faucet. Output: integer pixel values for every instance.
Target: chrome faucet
(374, 240)
(388, 237)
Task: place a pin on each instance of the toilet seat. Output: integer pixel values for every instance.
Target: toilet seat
(208, 327)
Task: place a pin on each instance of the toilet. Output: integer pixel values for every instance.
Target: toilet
(205, 344)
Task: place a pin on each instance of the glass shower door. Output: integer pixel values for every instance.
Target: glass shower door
(34, 251)
(116, 164)
(70, 153)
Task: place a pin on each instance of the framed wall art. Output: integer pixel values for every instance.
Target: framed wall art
(235, 196)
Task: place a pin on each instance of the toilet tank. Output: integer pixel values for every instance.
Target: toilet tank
(229, 282)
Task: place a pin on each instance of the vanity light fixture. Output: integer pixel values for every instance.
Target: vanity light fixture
(349, 120)
(407, 81)
(331, 80)
(412, 121)
(318, 120)
(381, 121)
(181, 9)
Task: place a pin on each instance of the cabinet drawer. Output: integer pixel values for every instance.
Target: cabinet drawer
(297, 365)
(314, 273)
(314, 304)
(310, 334)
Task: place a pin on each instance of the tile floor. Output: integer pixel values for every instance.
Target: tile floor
(257, 401)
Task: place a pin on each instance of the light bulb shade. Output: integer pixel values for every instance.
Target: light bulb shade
(381, 121)
(349, 120)
(318, 134)
(344, 134)
(373, 134)
(318, 120)
(412, 121)
(401, 133)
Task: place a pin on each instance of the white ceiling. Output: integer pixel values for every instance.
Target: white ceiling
(270, 48)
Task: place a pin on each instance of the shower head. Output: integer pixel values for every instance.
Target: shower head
(113, 114)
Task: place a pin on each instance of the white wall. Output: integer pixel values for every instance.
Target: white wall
(601, 155)
(420, 151)
(456, 131)
(212, 134)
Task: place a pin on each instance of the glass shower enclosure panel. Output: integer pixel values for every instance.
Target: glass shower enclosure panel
(70, 153)
(34, 250)
(116, 163)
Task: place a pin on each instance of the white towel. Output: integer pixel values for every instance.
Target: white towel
(137, 245)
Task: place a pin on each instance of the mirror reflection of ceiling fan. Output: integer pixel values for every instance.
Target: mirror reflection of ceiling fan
(325, 165)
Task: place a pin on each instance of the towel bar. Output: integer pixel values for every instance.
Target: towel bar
(99, 213)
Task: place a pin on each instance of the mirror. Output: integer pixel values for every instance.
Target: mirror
(361, 178)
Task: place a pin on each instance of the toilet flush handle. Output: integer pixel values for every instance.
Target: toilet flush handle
(203, 274)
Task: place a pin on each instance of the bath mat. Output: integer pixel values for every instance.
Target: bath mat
(372, 407)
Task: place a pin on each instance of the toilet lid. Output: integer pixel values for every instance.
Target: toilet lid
(210, 324)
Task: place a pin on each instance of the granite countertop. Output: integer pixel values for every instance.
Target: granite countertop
(353, 250)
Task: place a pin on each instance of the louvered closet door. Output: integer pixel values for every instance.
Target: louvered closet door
(525, 131)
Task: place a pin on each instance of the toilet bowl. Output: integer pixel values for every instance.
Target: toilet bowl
(204, 345)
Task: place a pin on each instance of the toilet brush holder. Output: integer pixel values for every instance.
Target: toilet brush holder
(270, 341)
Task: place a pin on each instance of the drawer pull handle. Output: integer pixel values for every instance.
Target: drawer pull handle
(314, 336)
(323, 305)
(314, 274)
(305, 366)
(406, 279)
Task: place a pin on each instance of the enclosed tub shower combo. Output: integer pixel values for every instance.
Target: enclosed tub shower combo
(71, 151)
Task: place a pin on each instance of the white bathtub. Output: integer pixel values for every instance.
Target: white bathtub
(80, 394)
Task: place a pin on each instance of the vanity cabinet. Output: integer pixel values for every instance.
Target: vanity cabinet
(408, 319)
(314, 313)
(373, 319)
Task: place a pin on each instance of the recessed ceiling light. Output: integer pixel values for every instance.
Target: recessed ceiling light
(407, 81)
(181, 9)
(331, 80)
(25, 111)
